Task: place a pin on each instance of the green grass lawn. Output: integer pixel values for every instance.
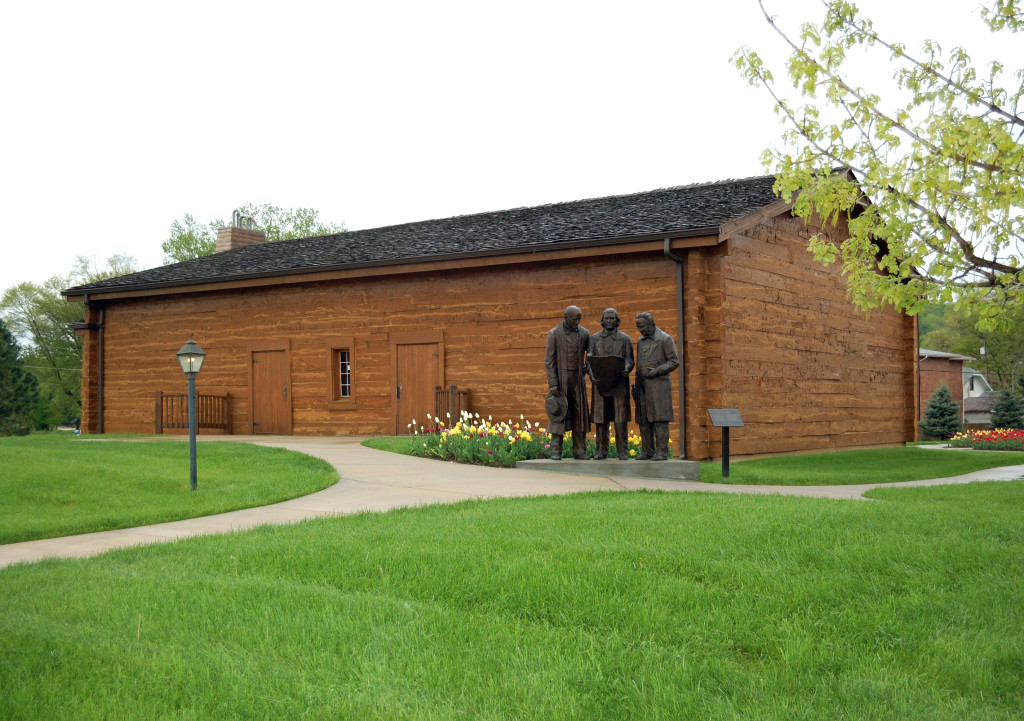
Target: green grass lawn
(834, 468)
(58, 485)
(592, 606)
(870, 465)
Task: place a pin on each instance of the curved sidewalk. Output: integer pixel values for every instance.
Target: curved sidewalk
(372, 480)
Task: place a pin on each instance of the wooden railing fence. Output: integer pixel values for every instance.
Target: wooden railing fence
(211, 411)
(450, 402)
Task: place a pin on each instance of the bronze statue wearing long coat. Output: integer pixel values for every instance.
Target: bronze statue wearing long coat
(565, 360)
(618, 344)
(657, 351)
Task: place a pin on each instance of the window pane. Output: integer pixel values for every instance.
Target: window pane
(344, 387)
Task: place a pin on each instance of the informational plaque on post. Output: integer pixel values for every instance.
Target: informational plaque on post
(725, 417)
(607, 372)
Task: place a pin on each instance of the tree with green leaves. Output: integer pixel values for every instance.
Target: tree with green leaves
(930, 182)
(19, 398)
(941, 415)
(1003, 356)
(190, 238)
(1008, 411)
(87, 269)
(40, 319)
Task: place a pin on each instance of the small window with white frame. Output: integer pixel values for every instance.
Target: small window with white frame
(343, 373)
(340, 373)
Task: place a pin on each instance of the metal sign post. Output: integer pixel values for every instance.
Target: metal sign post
(725, 418)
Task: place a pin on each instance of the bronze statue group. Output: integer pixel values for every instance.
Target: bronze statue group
(573, 354)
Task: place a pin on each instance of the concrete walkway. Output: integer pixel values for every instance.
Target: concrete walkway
(377, 481)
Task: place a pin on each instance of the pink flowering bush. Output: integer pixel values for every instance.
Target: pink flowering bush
(1000, 439)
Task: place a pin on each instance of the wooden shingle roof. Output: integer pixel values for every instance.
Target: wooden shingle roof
(680, 211)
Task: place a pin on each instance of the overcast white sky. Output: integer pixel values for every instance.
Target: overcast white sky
(118, 117)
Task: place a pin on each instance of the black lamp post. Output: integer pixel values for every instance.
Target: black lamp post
(191, 357)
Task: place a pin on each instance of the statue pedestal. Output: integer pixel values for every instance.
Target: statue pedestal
(664, 470)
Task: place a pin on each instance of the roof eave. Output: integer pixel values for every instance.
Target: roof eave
(80, 292)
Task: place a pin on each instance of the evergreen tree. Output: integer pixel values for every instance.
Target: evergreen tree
(941, 416)
(19, 397)
(1008, 412)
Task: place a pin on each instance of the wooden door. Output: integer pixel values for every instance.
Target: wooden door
(417, 367)
(271, 394)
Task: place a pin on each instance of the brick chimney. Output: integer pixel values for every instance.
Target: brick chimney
(239, 234)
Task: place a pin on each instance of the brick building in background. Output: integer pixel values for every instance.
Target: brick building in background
(938, 368)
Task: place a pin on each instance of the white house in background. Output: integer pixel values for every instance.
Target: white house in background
(979, 398)
(975, 383)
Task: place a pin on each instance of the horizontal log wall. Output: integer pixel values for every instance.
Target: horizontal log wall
(702, 346)
(806, 369)
(90, 372)
(494, 322)
(768, 331)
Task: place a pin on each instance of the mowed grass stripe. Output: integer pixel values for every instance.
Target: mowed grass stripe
(55, 485)
(593, 606)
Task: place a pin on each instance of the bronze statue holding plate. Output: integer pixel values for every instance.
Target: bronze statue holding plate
(609, 362)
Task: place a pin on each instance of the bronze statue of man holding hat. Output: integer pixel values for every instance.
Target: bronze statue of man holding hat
(565, 358)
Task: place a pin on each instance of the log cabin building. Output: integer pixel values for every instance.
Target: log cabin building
(354, 333)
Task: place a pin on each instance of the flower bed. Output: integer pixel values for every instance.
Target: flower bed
(475, 440)
(1000, 439)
